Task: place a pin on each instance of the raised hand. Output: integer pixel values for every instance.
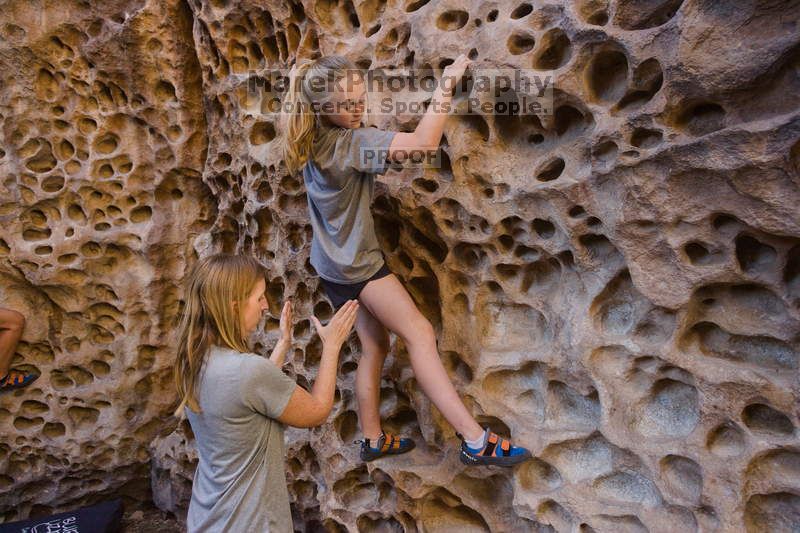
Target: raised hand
(285, 342)
(455, 70)
(286, 322)
(338, 329)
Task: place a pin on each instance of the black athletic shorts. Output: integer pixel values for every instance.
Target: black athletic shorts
(339, 293)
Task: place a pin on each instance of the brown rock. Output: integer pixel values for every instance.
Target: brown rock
(616, 284)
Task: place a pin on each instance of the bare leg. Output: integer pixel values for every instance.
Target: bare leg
(390, 303)
(11, 326)
(375, 345)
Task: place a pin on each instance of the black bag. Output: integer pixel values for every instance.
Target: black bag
(101, 518)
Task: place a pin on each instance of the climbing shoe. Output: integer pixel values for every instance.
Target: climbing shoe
(496, 451)
(16, 379)
(386, 444)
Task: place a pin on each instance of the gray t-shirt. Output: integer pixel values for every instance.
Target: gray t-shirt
(240, 481)
(340, 185)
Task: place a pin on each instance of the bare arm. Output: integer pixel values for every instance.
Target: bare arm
(429, 130)
(312, 409)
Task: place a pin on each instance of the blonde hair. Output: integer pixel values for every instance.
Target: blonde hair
(300, 122)
(209, 318)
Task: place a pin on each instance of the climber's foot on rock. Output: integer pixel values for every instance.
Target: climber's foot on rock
(386, 444)
(16, 379)
(495, 451)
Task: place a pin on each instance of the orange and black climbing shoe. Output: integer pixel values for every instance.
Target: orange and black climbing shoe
(496, 451)
(386, 444)
(16, 379)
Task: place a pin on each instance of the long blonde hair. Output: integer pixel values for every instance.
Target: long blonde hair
(300, 122)
(210, 319)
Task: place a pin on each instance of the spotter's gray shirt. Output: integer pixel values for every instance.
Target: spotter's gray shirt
(340, 185)
(240, 482)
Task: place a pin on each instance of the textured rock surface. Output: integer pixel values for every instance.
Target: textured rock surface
(618, 285)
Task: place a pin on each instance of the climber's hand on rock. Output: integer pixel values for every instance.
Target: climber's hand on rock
(338, 329)
(453, 72)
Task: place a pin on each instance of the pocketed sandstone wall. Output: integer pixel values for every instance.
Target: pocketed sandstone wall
(616, 285)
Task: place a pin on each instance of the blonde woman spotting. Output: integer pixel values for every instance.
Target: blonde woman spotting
(238, 403)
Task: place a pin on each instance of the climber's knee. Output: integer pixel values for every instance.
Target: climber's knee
(418, 332)
(376, 354)
(11, 320)
(373, 336)
(381, 346)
